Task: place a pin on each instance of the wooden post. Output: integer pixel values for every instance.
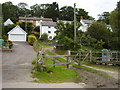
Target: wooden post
(90, 55)
(79, 58)
(53, 63)
(37, 61)
(67, 62)
(68, 58)
(42, 61)
(117, 56)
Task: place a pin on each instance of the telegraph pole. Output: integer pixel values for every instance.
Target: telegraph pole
(74, 22)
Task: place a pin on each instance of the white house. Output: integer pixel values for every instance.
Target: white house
(17, 34)
(48, 28)
(85, 24)
(109, 27)
(7, 22)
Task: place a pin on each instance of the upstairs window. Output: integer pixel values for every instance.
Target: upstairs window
(49, 31)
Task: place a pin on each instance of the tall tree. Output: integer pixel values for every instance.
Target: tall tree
(10, 11)
(115, 22)
(66, 13)
(99, 31)
(53, 11)
(36, 10)
(104, 17)
(23, 11)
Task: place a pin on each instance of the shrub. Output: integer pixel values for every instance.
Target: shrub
(4, 37)
(31, 39)
(44, 37)
(9, 43)
(34, 61)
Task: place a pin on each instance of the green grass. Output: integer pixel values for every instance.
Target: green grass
(44, 44)
(107, 67)
(34, 61)
(60, 52)
(60, 59)
(56, 75)
(49, 52)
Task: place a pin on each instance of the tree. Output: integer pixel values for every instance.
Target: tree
(66, 29)
(44, 37)
(10, 11)
(99, 31)
(8, 28)
(115, 22)
(29, 27)
(114, 19)
(23, 11)
(52, 11)
(67, 13)
(65, 35)
(36, 10)
(104, 17)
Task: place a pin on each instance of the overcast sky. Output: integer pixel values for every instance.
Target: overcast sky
(94, 7)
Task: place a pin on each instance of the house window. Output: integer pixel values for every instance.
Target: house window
(49, 27)
(50, 37)
(49, 31)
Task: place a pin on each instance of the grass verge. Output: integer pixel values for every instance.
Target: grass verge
(56, 75)
(107, 67)
(92, 70)
(60, 59)
(45, 44)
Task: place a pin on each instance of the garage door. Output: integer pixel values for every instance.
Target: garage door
(17, 37)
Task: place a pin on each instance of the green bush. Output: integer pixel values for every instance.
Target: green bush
(44, 37)
(10, 44)
(4, 37)
(34, 61)
(31, 39)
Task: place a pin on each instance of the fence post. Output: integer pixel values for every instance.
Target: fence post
(90, 55)
(53, 62)
(37, 61)
(68, 58)
(42, 61)
(79, 59)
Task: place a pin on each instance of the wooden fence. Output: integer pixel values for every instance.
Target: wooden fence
(78, 57)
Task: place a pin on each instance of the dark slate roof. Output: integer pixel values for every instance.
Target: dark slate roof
(49, 23)
(88, 21)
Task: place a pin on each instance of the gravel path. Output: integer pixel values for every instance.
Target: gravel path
(113, 74)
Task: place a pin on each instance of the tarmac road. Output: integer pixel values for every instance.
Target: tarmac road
(16, 69)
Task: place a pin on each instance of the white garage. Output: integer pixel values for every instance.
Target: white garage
(17, 34)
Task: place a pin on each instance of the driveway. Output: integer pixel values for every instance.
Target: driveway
(16, 69)
(16, 65)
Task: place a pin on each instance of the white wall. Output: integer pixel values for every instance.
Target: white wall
(84, 27)
(37, 23)
(45, 29)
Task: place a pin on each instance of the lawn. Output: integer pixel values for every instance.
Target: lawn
(45, 44)
(59, 74)
(107, 67)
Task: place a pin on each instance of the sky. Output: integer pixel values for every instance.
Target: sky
(94, 7)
